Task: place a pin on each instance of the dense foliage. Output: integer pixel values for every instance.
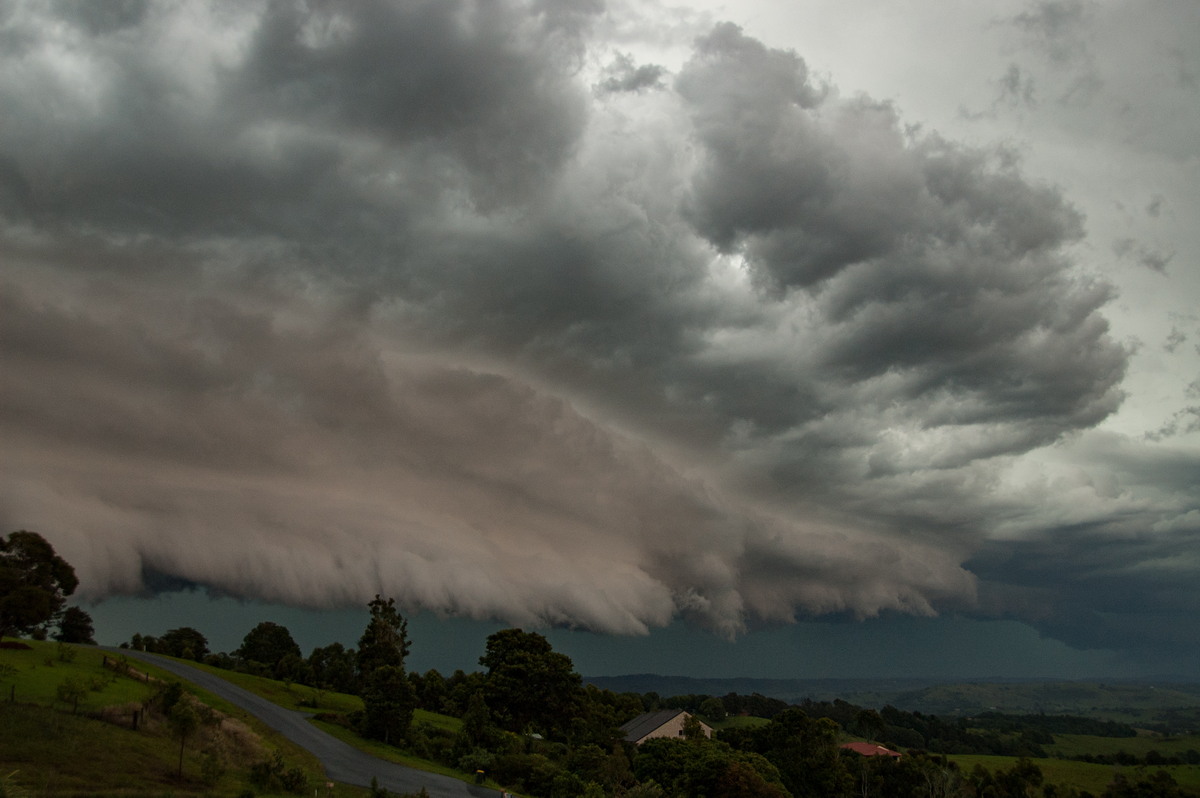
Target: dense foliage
(269, 647)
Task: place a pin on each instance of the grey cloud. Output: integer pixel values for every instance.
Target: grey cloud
(623, 75)
(475, 77)
(1058, 27)
(1144, 254)
(1016, 88)
(929, 262)
(100, 19)
(384, 297)
(1174, 339)
(308, 121)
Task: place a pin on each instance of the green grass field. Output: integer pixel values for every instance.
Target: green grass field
(1078, 744)
(740, 721)
(1080, 775)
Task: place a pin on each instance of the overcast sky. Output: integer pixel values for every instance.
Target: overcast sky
(789, 332)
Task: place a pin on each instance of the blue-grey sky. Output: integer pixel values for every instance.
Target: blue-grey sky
(819, 335)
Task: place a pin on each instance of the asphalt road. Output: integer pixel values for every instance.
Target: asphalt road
(342, 762)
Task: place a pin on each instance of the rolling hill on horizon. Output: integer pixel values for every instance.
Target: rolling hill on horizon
(1164, 700)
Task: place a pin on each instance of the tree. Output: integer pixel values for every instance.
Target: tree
(183, 720)
(388, 704)
(268, 644)
(477, 723)
(713, 709)
(528, 684)
(331, 667)
(76, 627)
(184, 642)
(706, 768)
(71, 690)
(34, 584)
(385, 640)
(806, 752)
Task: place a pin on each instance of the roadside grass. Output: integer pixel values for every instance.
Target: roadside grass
(287, 694)
(388, 752)
(53, 752)
(444, 722)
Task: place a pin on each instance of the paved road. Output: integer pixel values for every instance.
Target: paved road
(342, 762)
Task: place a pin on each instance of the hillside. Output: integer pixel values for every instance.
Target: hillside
(71, 725)
(1164, 704)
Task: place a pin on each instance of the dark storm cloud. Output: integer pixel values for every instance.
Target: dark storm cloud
(308, 303)
(934, 270)
(1114, 559)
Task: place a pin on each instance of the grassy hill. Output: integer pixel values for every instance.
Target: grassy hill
(55, 747)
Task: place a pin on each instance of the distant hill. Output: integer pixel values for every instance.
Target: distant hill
(1131, 701)
(790, 690)
(1159, 702)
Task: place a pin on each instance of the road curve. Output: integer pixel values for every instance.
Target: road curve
(342, 762)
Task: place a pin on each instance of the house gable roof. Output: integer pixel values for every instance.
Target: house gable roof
(647, 722)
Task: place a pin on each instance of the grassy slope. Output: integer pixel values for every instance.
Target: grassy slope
(40, 670)
(55, 752)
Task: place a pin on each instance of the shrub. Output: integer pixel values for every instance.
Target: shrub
(269, 775)
(294, 781)
(71, 690)
(212, 767)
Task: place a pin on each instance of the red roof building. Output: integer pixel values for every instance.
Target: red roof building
(871, 749)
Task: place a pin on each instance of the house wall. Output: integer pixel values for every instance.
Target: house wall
(674, 728)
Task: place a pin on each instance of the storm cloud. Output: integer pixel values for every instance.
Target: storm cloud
(309, 302)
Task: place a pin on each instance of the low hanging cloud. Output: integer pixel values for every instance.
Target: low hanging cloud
(309, 303)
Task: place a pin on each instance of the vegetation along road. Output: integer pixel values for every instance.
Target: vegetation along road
(342, 762)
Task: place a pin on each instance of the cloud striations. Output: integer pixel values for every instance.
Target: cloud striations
(308, 302)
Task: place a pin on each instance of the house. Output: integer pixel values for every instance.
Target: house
(871, 749)
(663, 723)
